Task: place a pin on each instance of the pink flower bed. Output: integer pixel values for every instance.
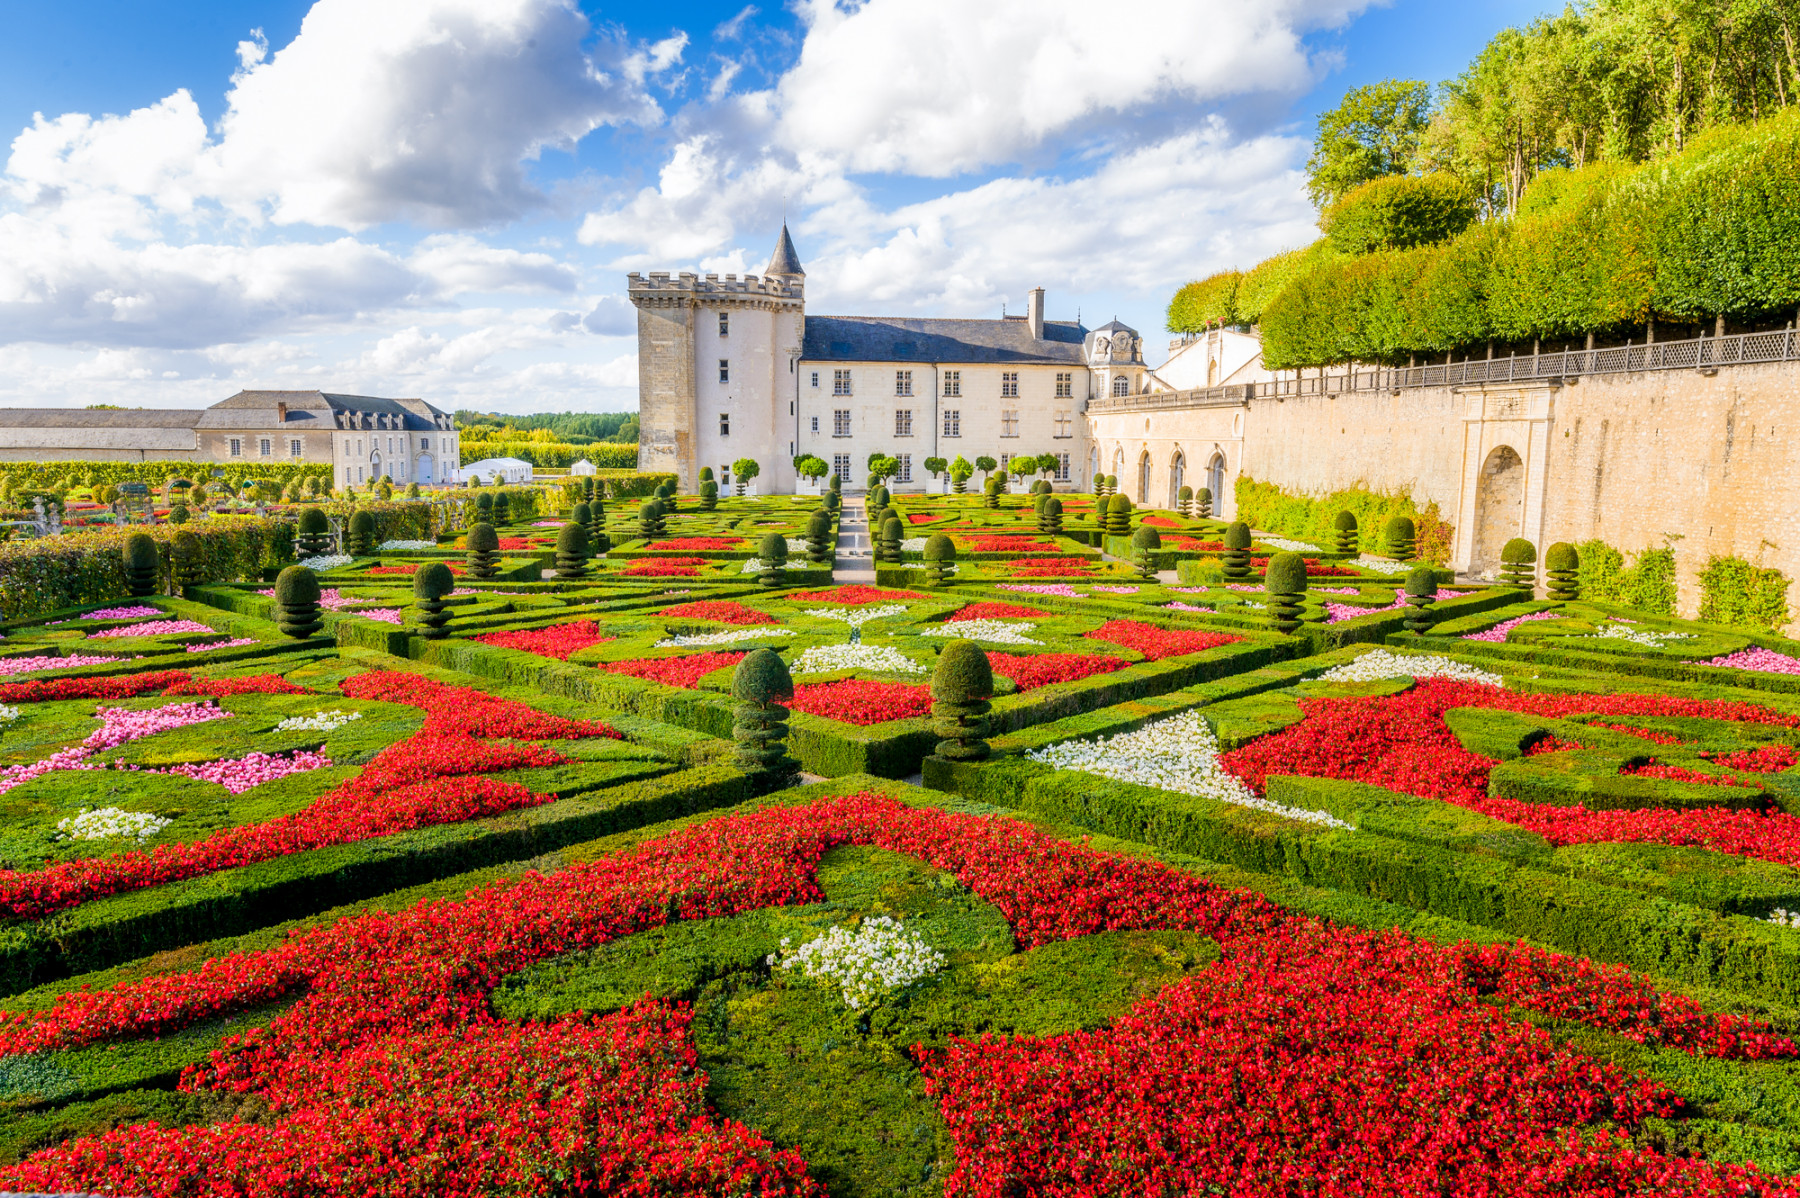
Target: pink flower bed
(31, 665)
(118, 725)
(387, 615)
(1337, 613)
(1178, 605)
(1242, 586)
(1061, 590)
(136, 611)
(1337, 590)
(234, 643)
(1755, 658)
(1498, 632)
(1098, 588)
(242, 773)
(153, 628)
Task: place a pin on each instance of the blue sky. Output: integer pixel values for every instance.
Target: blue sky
(441, 197)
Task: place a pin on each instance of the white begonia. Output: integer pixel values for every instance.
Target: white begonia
(1649, 640)
(1381, 565)
(754, 565)
(324, 721)
(405, 546)
(107, 822)
(881, 957)
(1179, 753)
(1378, 665)
(796, 544)
(326, 561)
(8, 714)
(913, 545)
(720, 638)
(1291, 546)
(856, 617)
(1782, 917)
(821, 659)
(998, 632)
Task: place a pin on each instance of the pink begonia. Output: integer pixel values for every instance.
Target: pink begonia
(1498, 632)
(1060, 589)
(463, 591)
(251, 770)
(153, 628)
(1178, 605)
(1755, 658)
(329, 599)
(1243, 586)
(31, 665)
(118, 725)
(234, 643)
(1337, 613)
(135, 612)
(546, 524)
(1338, 590)
(1097, 587)
(387, 615)
(1188, 590)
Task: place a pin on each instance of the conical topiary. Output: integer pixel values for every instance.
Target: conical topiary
(598, 541)
(1203, 503)
(1343, 533)
(1399, 536)
(502, 508)
(940, 556)
(833, 500)
(362, 534)
(961, 686)
(1146, 542)
(892, 533)
(773, 555)
(1184, 501)
(990, 492)
(187, 559)
(1237, 551)
(484, 507)
(1421, 593)
(297, 603)
(572, 551)
(1518, 564)
(315, 533)
(650, 519)
(763, 687)
(1563, 564)
(819, 548)
(432, 582)
(142, 567)
(1285, 581)
(1118, 516)
(709, 496)
(484, 551)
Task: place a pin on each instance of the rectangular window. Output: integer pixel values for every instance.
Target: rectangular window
(840, 382)
(294, 448)
(1009, 384)
(1062, 467)
(1005, 461)
(724, 324)
(840, 422)
(724, 424)
(1065, 427)
(266, 447)
(902, 382)
(815, 375)
(840, 465)
(237, 448)
(362, 474)
(815, 426)
(953, 422)
(1009, 422)
(1065, 385)
(724, 370)
(425, 444)
(905, 460)
(953, 384)
(903, 422)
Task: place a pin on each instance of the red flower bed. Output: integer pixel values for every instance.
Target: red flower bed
(413, 568)
(1661, 738)
(518, 544)
(427, 779)
(1314, 568)
(699, 544)
(1003, 544)
(1157, 643)
(1190, 545)
(853, 595)
(1032, 670)
(1550, 744)
(997, 611)
(1163, 522)
(853, 701)
(243, 684)
(1051, 567)
(1769, 759)
(725, 611)
(1675, 773)
(116, 686)
(664, 567)
(560, 641)
(1309, 1060)
(684, 672)
(921, 518)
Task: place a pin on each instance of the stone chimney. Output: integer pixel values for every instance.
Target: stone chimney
(1034, 312)
(281, 412)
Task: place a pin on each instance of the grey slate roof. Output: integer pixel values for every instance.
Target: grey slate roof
(786, 261)
(316, 406)
(931, 339)
(82, 418)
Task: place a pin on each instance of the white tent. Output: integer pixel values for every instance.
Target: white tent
(584, 467)
(499, 470)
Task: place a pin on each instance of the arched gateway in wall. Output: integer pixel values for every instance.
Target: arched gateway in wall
(1499, 507)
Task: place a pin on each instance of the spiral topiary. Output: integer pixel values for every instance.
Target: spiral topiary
(819, 548)
(990, 492)
(315, 533)
(1203, 503)
(297, 603)
(706, 474)
(709, 496)
(773, 552)
(1518, 564)
(1285, 581)
(484, 551)
(1145, 543)
(362, 534)
(1343, 533)
(1399, 536)
(877, 499)
(666, 493)
(892, 533)
(887, 513)
(1184, 501)
(1237, 551)
(581, 514)
(143, 568)
(1421, 593)
(432, 582)
(1563, 563)
(961, 686)
(1038, 499)
(572, 551)
(762, 687)
(187, 560)
(502, 508)
(940, 555)
(597, 538)
(1118, 516)
(484, 506)
(650, 519)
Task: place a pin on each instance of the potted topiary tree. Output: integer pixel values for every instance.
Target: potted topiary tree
(484, 551)
(763, 687)
(1343, 532)
(812, 469)
(940, 556)
(1399, 535)
(297, 603)
(362, 534)
(1421, 593)
(936, 467)
(819, 548)
(1285, 581)
(1518, 564)
(1563, 563)
(143, 568)
(315, 533)
(961, 470)
(1237, 551)
(1145, 544)
(961, 686)
(430, 585)
(572, 551)
(744, 469)
(773, 555)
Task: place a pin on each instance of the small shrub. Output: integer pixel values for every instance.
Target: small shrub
(142, 566)
(1343, 532)
(1518, 561)
(773, 552)
(940, 553)
(362, 534)
(819, 549)
(315, 533)
(1400, 539)
(1237, 551)
(1146, 542)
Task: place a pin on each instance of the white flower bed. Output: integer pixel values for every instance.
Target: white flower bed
(111, 821)
(405, 546)
(1379, 664)
(1783, 918)
(324, 721)
(1180, 754)
(999, 632)
(913, 545)
(326, 561)
(8, 714)
(1382, 565)
(720, 638)
(821, 659)
(754, 565)
(879, 958)
(856, 617)
(949, 567)
(1291, 546)
(796, 545)
(1649, 640)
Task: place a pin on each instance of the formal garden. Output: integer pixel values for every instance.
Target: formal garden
(576, 840)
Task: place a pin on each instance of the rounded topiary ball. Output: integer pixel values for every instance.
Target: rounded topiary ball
(819, 524)
(1422, 580)
(963, 674)
(483, 539)
(582, 514)
(296, 585)
(1519, 551)
(1421, 592)
(362, 532)
(433, 581)
(1146, 537)
(1237, 536)
(939, 548)
(1400, 536)
(1562, 556)
(572, 541)
(1562, 562)
(762, 677)
(1286, 575)
(313, 522)
(1053, 507)
(772, 548)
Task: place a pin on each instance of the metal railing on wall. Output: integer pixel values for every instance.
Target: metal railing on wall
(1701, 353)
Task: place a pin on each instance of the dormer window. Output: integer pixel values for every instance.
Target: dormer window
(1121, 386)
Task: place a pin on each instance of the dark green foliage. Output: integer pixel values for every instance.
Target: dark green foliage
(178, 513)
(1421, 592)
(650, 520)
(706, 474)
(1184, 500)
(819, 547)
(281, 542)
(762, 685)
(1399, 538)
(1285, 581)
(709, 495)
(773, 552)
(188, 561)
(598, 541)
(1050, 517)
(837, 483)
(892, 533)
(502, 508)
(1563, 564)
(990, 492)
(572, 551)
(1145, 543)
(297, 602)
(362, 534)
(1203, 503)
(833, 499)
(1397, 213)
(484, 506)
(582, 514)
(315, 532)
(484, 551)
(940, 554)
(1118, 516)
(430, 585)
(1343, 533)
(1037, 507)
(1237, 551)
(877, 498)
(961, 686)
(1518, 559)
(142, 566)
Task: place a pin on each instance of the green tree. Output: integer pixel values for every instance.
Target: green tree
(1374, 131)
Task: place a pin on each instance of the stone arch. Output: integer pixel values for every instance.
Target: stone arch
(1499, 507)
(422, 472)
(1215, 482)
(1177, 474)
(1143, 487)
